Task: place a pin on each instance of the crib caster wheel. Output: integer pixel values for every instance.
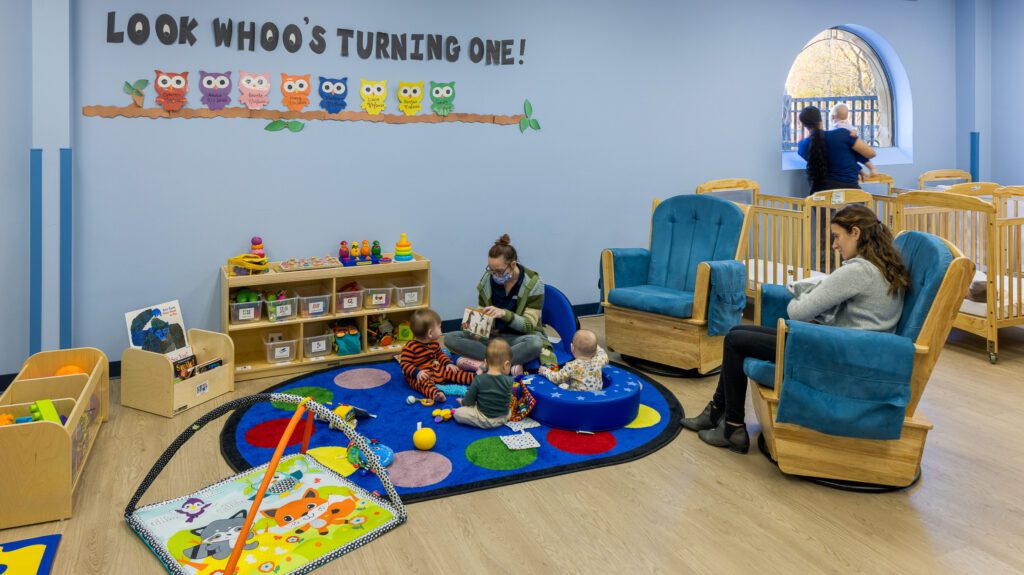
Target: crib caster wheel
(993, 358)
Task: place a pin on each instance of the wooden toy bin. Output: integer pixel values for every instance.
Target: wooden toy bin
(147, 378)
(42, 461)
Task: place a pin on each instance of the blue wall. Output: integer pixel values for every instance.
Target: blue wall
(1007, 85)
(16, 121)
(636, 100)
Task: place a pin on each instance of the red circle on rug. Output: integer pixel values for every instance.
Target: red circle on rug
(581, 443)
(268, 433)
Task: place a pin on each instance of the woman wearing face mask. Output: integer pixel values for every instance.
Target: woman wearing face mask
(513, 295)
(865, 293)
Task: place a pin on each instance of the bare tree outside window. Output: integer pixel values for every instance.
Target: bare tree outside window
(837, 66)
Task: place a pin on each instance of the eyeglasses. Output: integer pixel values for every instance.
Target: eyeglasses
(490, 270)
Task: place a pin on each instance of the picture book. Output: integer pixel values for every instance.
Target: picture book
(184, 368)
(29, 556)
(160, 329)
(212, 364)
(477, 323)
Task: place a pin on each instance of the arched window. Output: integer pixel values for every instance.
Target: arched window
(840, 67)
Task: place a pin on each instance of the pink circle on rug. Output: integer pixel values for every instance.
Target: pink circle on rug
(581, 443)
(268, 434)
(362, 378)
(419, 468)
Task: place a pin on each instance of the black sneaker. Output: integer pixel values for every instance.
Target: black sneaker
(739, 441)
(704, 420)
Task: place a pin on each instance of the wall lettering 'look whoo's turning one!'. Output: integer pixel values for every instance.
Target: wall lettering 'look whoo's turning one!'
(289, 97)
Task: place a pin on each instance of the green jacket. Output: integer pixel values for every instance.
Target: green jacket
(527, 316)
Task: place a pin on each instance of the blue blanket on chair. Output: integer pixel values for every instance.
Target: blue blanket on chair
(846, 382)
(727, 296)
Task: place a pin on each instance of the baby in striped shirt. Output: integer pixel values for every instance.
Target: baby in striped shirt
(424, 363)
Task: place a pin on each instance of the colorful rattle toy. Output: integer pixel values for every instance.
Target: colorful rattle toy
(425, 401)
(357, 459)
(403, 250)
(441, 415)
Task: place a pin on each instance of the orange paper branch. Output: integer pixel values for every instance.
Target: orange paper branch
(239, 112)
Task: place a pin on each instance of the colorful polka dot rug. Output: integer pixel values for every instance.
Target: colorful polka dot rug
(462, 458)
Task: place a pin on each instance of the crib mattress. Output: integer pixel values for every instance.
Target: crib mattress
(1010, 298)
(775, 272)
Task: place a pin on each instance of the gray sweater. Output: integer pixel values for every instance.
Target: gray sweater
(855, 296)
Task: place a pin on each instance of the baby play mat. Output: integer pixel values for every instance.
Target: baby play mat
(290, 521)
(464, 458)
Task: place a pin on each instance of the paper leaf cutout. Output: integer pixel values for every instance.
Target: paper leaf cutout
(523, 124)
(276, 126)
(128, 89)
(140, 85)
(527, 108)
(295, 126)
(534, 124)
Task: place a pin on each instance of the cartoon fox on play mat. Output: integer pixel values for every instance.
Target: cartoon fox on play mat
(313, 511)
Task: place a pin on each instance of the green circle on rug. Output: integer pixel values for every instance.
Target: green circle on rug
(319, 395)
(491, 453)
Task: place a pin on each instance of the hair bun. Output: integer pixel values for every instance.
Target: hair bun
(504, 240)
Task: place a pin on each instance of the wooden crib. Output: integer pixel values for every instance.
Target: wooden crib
(942, 177)
(990, 233)
(740, 191)
(783, 243)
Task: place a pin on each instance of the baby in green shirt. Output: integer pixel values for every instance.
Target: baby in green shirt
(488, 398)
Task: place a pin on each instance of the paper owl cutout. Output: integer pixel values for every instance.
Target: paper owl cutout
(254, 89)
(295, 90)
(332, 94)
(375, 96)
(171, 90)
(442, 97)
(410, 97)
(215, 88)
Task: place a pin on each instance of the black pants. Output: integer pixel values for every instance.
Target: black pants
(741, 342)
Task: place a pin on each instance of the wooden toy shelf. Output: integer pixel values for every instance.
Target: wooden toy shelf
(42, 461)
(251, 354)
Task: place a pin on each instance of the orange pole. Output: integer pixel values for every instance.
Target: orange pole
(308, 432)
(236, 553)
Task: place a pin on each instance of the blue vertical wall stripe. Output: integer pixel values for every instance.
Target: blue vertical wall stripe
(65, 248)
(975, 156)
(35, 275)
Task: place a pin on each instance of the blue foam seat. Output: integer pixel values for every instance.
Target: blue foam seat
(615, 406)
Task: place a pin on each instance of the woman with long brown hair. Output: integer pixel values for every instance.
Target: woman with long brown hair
(866, 292)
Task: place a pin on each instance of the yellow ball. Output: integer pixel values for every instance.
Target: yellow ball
(424, 439)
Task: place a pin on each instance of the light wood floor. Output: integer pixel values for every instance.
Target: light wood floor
(687, 508)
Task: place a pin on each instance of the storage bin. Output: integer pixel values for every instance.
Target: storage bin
(282, 309)
(147, 378)
(348, 301)
(376, 295)
(43, 461)
(317, 345)
(407, 292)
(312, 302)
(281, 351)
(246, 312)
